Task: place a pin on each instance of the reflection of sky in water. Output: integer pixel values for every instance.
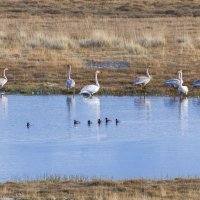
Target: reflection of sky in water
(159, 132)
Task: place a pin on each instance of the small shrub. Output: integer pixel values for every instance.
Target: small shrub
(151, 42)
(91, 43)
(185, 41)
(134, 48)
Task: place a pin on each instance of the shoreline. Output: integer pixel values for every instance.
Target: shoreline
(80, 188)
(62, 91)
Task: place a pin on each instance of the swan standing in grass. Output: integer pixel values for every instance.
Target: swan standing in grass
(70, 83)
(3, 80)
(91, 89)
(143, 80)
(196, 83)
(182, 89)
(174, 82)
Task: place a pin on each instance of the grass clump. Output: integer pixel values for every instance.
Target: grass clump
(54, 42)
(134, 48)
(186, 41)
(99, 38)
(149, 41)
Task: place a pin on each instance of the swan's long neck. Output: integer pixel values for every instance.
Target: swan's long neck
(4, 74)
(147, 72)
(97, 82)
(69, 72)
(181, 77)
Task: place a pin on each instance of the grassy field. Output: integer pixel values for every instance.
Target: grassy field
(78, 189)
(39, 38)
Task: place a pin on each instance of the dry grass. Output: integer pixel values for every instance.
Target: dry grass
(37, 50)
(38, 38)
(55, 188)
(110, 8)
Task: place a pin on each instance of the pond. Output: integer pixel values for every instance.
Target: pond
(157, 137)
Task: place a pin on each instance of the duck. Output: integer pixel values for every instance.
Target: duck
(76, 122)
(99, 121)
(108, 120)
(89, 122)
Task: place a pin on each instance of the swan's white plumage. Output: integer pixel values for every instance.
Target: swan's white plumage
(174, 82)
(91, 89)
(182, 89)
(70, 83)
(3, 80)
(143, 80)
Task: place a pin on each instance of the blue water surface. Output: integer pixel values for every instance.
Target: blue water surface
(158, 137)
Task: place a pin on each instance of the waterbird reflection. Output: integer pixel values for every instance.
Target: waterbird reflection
(93, 105)
(183, 114)
(143, 103)
(3, 106)
(171, 102)
(196, 101)
(71, 104)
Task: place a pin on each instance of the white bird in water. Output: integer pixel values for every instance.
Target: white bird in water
(182, 89)
(91, 89)
(70, 83)
(3, 80)
(175, 83)
(143, 80)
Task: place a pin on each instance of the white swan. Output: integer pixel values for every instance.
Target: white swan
(174, 82)
(182, 89)
(3, 80)
(70, 83)
(143, 80)
(91, 89)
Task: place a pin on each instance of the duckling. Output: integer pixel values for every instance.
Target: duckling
(116, 121)
(99, 121)
(28, 124)
(89, 122)
(107, 120)
(76, 122)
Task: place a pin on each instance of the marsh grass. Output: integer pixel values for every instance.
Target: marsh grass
(36, 50)
(96, 189)
(186, 41)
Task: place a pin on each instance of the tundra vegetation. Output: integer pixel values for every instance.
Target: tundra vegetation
(38, 38)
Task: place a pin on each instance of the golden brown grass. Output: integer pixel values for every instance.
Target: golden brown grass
(38, 38)
(55, 188)
(36, 51)
(111, 8)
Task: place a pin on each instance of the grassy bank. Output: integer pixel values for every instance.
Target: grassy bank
(36, 51)
(38, 38)
(80, 189)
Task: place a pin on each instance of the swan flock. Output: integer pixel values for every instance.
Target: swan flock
(176, 83)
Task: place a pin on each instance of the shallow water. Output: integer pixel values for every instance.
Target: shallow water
(158, 137)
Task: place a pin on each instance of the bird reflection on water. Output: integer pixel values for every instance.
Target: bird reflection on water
(183, 114)
(71, 105)
(3, 106)
(93, 104)
(181, 104)
(145, 104)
